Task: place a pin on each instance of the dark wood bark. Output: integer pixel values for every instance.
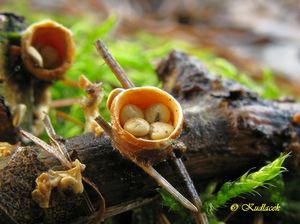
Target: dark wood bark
(8, 133)
(228, 129)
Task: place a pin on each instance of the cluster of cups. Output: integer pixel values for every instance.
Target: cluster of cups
(153, 123)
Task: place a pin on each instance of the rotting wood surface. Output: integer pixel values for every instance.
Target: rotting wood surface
(228, 129)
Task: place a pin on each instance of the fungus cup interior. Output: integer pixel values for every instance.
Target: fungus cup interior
(144, 97)
(53, 37)
(47, 49)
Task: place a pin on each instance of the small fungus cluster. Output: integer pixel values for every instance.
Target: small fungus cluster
(6, 149)
(154, 123)
(62, 180)
(90, 104)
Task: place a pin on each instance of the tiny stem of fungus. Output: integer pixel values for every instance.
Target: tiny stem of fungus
(113, 65)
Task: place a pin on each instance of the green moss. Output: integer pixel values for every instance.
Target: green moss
(182, 215)
(245, 184)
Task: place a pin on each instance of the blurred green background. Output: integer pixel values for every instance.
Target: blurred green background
(137, 52)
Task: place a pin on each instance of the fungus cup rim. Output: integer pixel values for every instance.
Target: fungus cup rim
(115, 107)
(67, 55)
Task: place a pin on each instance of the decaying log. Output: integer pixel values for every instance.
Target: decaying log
(228, 129)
